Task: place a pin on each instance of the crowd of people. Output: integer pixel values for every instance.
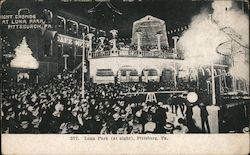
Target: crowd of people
(58, 107)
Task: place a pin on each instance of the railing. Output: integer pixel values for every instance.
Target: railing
(97, 54)
(135, 53)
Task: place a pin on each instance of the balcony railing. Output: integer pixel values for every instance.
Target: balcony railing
(134, 53)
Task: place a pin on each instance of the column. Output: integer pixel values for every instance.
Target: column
(145, 76)
(139, 50)
(210, 18)
(158, 41)
(101, 45)
(213, 84)
(102, 40)
(65, 61)
(175, 38)
(138, 35)
(234, 84)
(90, 36)
(127, 75)
(119, 75)
(213, 118)
(114, 48)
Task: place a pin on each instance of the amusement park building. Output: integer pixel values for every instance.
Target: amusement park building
(147, 58)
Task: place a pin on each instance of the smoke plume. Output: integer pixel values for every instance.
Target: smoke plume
(206, 32)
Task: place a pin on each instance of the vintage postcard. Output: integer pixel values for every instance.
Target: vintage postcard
(124, 77)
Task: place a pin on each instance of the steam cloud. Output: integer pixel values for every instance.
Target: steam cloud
(204, 35)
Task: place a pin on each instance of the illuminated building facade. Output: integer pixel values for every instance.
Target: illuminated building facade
(51, 45)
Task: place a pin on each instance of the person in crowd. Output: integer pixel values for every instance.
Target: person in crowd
(57, 107)
(150, 126)
(136, 128)
(174, 104)
(180, 128)
(204, 118)
(170, 102)
(189, 116)
(160, 118)
(180, 102)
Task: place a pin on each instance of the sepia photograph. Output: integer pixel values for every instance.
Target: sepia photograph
(143, 70)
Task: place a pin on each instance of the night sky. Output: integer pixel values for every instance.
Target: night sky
(176, 13)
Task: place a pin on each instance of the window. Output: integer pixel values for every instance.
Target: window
(71, 27)
(151, 72)
(60, 24)
(82, 29)
(104, 72)
(24, 11)
(60, 49)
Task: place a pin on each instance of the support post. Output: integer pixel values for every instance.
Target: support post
(158, 41)
(114, 48)
(102, 40)
(213, 84)
(90, 36)
(128, 76)
(138, 34)
(65, 61)
(146, 76)
(83, 65)
(175, 38)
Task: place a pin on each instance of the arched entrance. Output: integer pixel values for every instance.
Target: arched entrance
(104, 76)
(128, 74)
(150, 74)
(168, 74)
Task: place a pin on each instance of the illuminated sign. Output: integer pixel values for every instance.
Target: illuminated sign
(70, 40)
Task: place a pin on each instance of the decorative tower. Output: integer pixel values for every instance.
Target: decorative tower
(114, 50)
(90, 36)
(102, 40)
(101, 46)
(24, 58)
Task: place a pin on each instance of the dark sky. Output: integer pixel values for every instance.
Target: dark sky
(176, 13)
